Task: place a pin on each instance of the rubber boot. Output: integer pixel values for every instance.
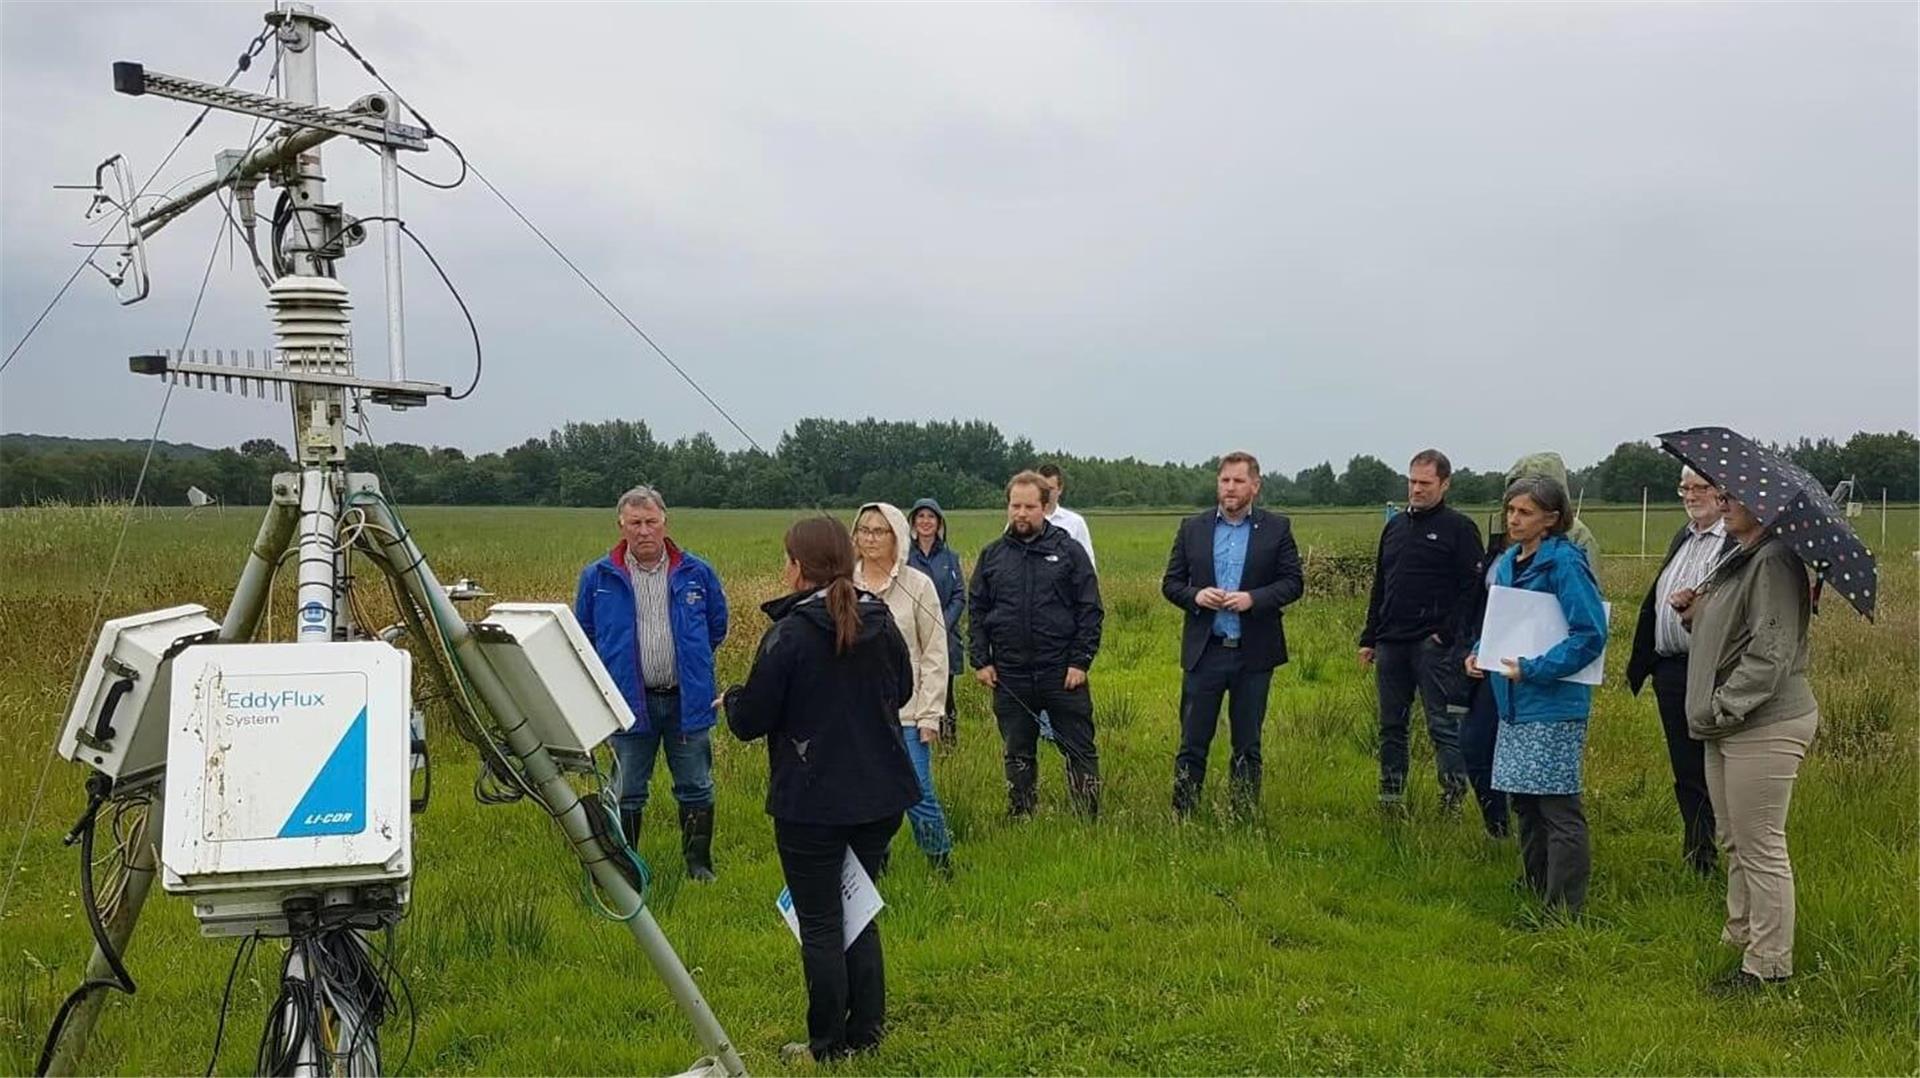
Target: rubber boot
(630, 825)
(696, 841)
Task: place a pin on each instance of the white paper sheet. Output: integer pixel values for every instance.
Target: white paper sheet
(1523, 624)
(859, 901)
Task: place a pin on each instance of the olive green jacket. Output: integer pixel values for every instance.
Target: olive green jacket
(1747, 662)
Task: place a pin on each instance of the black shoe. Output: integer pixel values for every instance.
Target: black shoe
(942, 864)
(696, 841)
(630, 825)
(1739, 982)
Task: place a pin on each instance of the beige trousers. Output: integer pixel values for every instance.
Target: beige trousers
(1750, 780)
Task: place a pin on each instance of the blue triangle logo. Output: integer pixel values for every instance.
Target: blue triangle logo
(336, 803)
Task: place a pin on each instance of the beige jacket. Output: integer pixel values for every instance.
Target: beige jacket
(915, 603)
(1747, 663)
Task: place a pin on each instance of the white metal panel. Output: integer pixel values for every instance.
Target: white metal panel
(288, 762)
(553, 673)
(138, 643)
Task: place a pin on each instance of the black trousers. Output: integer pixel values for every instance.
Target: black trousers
(1220, 674)
(1478, 731)
(1401, 668)
(1688, 759)
(949, 727)
(1553, 847)
(846, 986)
(1018, 703)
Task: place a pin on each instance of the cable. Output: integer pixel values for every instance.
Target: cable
(246, 61)
(478, 359)
(242, 954)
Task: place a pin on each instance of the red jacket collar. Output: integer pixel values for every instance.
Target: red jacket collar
(618, 555)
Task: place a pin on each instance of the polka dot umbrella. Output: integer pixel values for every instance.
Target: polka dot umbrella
(1784, 497)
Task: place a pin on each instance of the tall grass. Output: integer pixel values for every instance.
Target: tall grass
(1316, 937)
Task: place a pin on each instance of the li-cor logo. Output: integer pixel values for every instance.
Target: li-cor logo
(314, 818)
(270, 699)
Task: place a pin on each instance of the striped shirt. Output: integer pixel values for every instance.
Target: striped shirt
(1689, 567)
(653, 623)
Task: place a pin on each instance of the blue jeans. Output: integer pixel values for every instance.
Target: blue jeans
(689, 756)
(928, 819)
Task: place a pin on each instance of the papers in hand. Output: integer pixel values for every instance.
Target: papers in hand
(1523, 624)
(859, 901)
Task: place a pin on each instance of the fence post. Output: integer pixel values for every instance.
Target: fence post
(1643, 522)
(1883, 522)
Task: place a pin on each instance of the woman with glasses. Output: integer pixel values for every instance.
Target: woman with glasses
(880, 539)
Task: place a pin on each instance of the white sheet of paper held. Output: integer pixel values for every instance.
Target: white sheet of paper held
(1523, 624)
(859, 901)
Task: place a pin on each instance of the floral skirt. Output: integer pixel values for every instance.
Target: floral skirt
(1539, 757)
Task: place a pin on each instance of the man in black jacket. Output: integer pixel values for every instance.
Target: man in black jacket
(1034, 630)
(1233, 569)
(1660, 652)
(1425, 569)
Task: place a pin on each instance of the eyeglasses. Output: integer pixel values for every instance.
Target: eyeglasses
(1695, 488)
(873, 533)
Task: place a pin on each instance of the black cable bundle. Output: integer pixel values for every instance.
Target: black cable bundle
(99, 787)
(341, 980)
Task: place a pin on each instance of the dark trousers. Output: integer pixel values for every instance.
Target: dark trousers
(1688, 759)
(949, 727)
(1221, 673)
(1553, 848)
(1018, 704)
(846, 986)
(1478, 729)
(1401, 668)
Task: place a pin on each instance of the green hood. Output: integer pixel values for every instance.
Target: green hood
(1553, 467)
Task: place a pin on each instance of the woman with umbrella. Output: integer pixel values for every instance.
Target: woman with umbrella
(1748, 697)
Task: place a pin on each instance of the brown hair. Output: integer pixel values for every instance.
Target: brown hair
(822, 549)
(1442, 467)
(1240, 456)
(1031, 479)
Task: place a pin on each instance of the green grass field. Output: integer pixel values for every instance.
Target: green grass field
(1321, 938)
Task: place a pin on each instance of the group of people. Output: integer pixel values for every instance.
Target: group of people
(851, 686)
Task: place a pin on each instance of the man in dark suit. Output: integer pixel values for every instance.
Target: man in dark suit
(1233, 568)
(1660, 646)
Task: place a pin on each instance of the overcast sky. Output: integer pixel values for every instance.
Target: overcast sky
(1305, 230)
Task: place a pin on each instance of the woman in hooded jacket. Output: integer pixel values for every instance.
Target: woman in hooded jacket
(826, 689)
(881, 541)
(1540, 747)
(930, 554)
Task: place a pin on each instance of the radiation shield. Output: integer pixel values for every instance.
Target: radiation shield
(287, 768)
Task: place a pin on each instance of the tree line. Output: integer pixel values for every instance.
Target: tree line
(832, 462)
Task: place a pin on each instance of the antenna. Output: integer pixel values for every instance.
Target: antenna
(303, 829)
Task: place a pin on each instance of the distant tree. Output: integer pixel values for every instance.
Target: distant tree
(1369, 480)
(1632, 467)
(1318, 484)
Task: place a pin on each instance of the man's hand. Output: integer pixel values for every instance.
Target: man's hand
(1076, 677)
(986, 676)
(1682, 602)
(1366, 656)
(1209, 598)
(1237, 601)
(1473, 666)
(929, 734)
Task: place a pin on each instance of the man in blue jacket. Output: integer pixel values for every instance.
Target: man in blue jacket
(655, 614)
(931, 555)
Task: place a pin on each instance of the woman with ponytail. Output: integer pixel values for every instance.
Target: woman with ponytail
(826, 689)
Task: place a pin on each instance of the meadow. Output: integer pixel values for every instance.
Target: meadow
(1320, 937)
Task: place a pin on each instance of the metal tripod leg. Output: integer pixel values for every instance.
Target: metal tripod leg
(243, 614)
(550, 785)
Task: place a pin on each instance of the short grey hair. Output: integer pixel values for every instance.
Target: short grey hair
(1546, 492)
(1687, 470)
(640, 495)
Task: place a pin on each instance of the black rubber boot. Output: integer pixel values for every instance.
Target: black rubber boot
(696, 841)
(630, 825)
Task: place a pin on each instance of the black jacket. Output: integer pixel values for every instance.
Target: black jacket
(831, 721)
(1035, 606)
(1640, 663)
(1424, 571)
(1272, 576)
